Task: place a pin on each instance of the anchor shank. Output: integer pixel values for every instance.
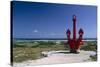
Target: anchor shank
(74, 27)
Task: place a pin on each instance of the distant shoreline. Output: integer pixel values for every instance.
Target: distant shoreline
(50, 38)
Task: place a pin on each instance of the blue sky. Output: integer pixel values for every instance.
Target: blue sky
(46, 20)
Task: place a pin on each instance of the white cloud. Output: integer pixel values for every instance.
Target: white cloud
(35, 31)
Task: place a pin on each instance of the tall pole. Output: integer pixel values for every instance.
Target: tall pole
(74, 27)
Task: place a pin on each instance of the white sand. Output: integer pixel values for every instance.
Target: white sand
(55, 58)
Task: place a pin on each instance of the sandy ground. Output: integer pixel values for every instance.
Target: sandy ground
(55, 58)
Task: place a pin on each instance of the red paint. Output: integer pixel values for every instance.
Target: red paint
(74, 27)
(74, 43)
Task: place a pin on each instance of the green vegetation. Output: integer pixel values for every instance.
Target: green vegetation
(89, 46)
(94, 58)
(31, 50)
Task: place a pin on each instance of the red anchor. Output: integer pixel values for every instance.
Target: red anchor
(74, 43)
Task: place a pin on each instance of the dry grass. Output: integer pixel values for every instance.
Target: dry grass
(31, 53)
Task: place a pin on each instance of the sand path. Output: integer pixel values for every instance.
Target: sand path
(56, 58)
